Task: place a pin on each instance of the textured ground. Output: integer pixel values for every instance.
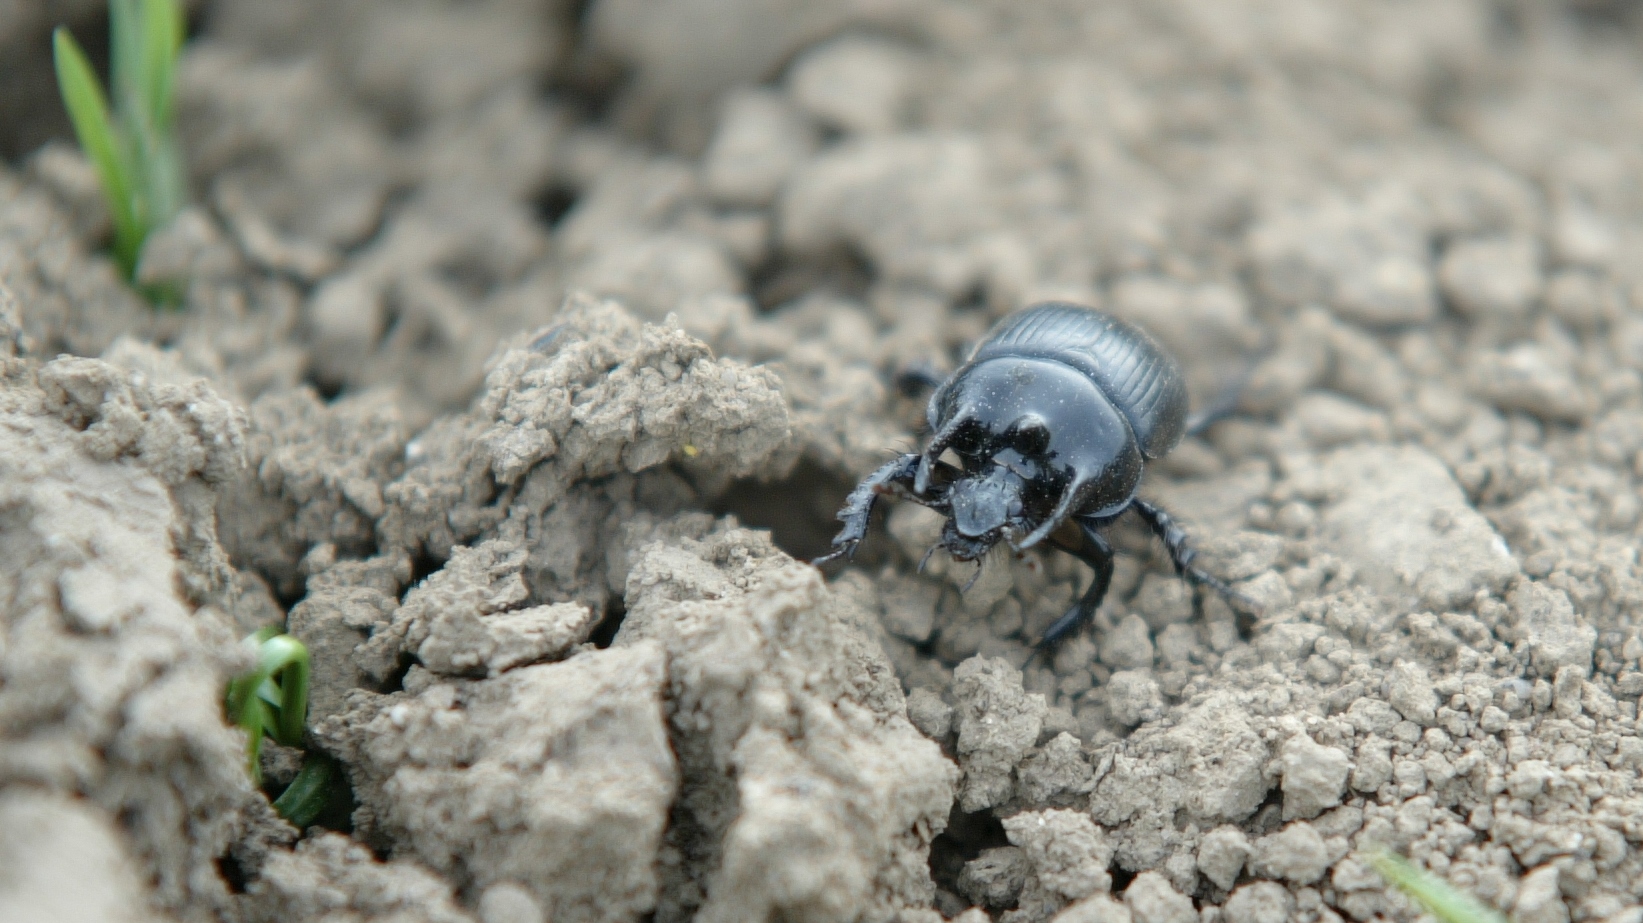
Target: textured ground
(527, 343)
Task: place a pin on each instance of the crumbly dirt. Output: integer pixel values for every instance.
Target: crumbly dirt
(528, 348)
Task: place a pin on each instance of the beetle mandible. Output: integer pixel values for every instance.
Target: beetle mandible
(1052, 419)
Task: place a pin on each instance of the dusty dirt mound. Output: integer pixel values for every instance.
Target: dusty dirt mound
(527, 343)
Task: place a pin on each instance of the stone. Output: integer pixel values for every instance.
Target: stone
(1297, 854)
(1366, 260)
(1412, 693)
(1540, 899)
(1097, 908)
(994, 878)
(773, 679)
(1533, 379)
(1065, 851)
(1258, 902)
(1133, 697)
(1496, 279)
(1554, 636)
(1399, 517)
(1210, 767)
(997, 722)
(329, 875)
(761, 139)
(1314, 777)
(854, 83)
(1222, 854)
(1152, 899)
(1128, 646)
(932, 716)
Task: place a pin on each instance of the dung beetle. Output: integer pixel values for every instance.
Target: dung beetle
(1052, 419)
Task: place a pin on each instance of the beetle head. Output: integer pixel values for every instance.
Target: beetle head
(986, 502)
(964, 547)
(1039, 441)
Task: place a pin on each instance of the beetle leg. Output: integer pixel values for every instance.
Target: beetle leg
(927, 556)
(1181, 554)
(858, 507)
(893, 477)
(1094, 551)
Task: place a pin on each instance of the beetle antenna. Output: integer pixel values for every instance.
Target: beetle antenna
(980, 566)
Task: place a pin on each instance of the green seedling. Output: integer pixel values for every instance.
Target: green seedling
(317, 784)
(132, 144)
(272, 699)
(1435, 895)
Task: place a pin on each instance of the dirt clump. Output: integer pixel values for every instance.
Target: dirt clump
(119, 637)
(571, 812)
(328, 876)
(809, 787)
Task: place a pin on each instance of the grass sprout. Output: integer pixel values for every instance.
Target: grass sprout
(131, 138)
(1435, 895)
(272, 699)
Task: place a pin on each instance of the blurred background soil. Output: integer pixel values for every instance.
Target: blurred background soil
(529, 347)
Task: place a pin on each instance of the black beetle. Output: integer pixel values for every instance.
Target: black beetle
(1052, 418)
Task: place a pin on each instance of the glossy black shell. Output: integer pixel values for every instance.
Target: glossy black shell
(1129, 366)
(1051, 421)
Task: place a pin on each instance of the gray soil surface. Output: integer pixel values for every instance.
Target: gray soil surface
(530, 346)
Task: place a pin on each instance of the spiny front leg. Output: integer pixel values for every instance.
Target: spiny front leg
(1182, 554)
(1097, 553)
(858, 507)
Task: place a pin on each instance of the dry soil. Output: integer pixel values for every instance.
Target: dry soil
(529, 347)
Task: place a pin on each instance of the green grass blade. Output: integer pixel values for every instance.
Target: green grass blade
(306, 798)
(88, 111)
(250, 715)
(129, 133)
(286, 658)
(162, 40)
(127, 84)
(1437, 896)
(125, 65)
(162, 179)
(253, 754)
(240, 702)
(270, 692)
(247, 685)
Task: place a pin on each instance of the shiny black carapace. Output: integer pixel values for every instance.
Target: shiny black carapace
(1052, 419)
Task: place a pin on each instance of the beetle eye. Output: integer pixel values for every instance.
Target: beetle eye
(1030, 436)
